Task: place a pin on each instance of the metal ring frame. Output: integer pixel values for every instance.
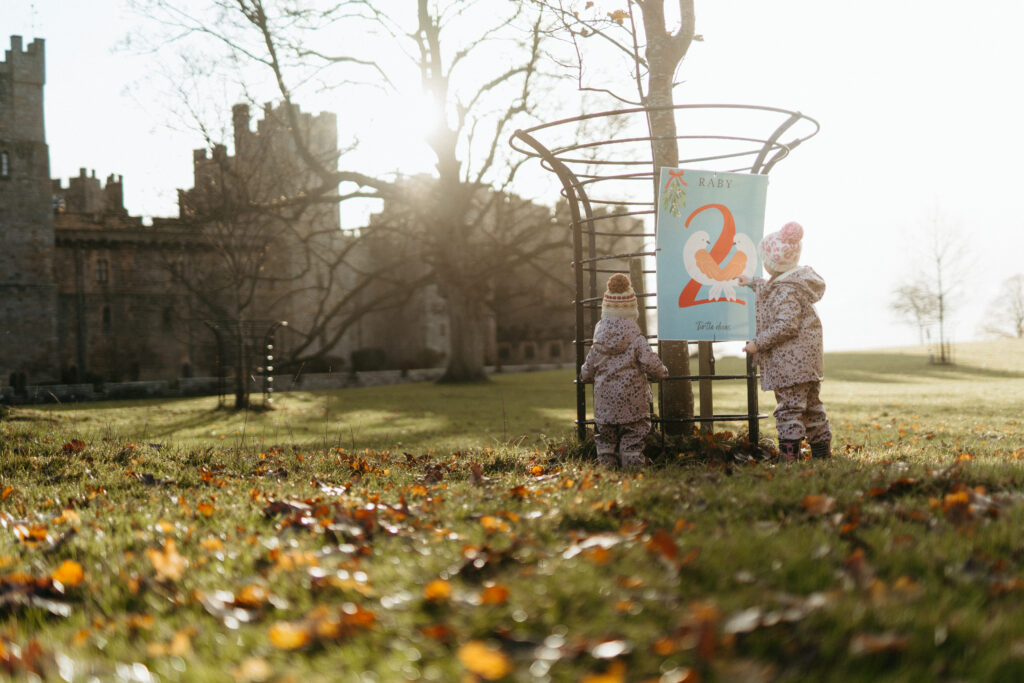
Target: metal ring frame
(604, 174)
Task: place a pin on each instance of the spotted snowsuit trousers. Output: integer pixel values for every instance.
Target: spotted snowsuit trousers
(627, 438)
(801, 414)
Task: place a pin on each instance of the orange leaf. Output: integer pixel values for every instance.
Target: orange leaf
(494, 594)
(492, 524)
(437, 590)
(599, 555)
(285, 635)
(252, 596)
(438, 632)
(169, 565)
(616, 673)
(211, 544)
(818, 505)
(682, 525)
(69, 573)
(356, 616)
(483, 660)
(624, 605)
(205, 509)
(67, 516)
(179, 645)
(8, 490)
(869, 643)
(663, 544)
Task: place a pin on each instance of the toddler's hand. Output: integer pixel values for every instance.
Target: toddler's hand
(744, 281)
(750, 347)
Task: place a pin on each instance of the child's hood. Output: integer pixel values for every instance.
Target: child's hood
(614, 335)
(806, 280)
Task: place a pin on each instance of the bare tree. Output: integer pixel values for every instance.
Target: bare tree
(1004, 316)
(477, 62)
(916, 303)
(942, 258)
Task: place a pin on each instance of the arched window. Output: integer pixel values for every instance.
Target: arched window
(5, 165)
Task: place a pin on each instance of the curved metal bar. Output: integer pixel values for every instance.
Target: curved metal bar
(568, 184)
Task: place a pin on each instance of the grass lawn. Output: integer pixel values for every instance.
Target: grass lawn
(455, 533)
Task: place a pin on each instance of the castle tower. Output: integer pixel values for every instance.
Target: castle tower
(28, 291)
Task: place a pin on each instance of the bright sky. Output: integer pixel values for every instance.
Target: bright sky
(916, 101)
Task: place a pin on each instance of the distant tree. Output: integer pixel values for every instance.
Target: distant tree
(1004, 316)
(916, 303)
(942, 258)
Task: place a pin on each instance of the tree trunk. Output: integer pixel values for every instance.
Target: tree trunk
(664, 53)
(467, 323)
(241, 372)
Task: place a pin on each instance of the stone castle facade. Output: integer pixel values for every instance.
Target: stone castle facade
(91, 294)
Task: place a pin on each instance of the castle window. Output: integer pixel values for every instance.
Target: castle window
(5, 165)
(168, 319)
(106, 320)
(102, 271)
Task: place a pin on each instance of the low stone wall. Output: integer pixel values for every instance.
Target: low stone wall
(210, 386)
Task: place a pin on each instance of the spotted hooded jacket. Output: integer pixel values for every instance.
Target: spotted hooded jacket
(789, 336)
(619, 363)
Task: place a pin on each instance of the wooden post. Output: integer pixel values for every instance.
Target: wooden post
(706, 365)
(677, 395)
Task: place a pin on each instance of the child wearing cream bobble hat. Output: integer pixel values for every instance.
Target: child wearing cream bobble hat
(619, 364)
(788, 343)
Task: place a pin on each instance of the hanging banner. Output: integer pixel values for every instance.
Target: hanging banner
(709, 226)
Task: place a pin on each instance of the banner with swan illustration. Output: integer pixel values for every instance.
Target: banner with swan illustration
(709, 226)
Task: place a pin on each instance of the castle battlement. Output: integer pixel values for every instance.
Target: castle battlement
(25, 66)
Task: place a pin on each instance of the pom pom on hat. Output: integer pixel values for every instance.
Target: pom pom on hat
(780, 250)
(619, 300)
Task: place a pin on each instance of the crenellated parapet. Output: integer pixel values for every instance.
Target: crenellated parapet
(25, 65)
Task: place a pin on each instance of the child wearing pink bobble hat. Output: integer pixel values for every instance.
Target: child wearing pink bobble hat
(788, 343)
(619, 364)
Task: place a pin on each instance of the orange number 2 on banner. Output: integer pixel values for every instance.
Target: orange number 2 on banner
(723, 245)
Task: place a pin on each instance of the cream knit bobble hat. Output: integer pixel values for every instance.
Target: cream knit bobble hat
(619, 300)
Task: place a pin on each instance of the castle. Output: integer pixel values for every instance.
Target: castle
(90, 294)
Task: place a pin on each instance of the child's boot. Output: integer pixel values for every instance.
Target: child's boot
(633, 461)
(821, 450)
(789, 450)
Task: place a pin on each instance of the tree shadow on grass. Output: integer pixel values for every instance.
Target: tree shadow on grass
(887, 368)
(896, 368)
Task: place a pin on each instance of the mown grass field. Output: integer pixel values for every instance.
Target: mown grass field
(456, 533)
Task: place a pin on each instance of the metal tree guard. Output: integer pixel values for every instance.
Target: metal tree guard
(607, 180)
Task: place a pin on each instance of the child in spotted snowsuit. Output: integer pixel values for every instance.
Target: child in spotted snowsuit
(620, 363)
(788, 343)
